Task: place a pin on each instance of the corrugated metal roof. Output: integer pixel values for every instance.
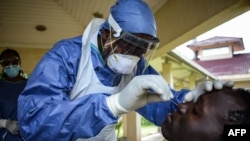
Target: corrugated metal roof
(238, 64)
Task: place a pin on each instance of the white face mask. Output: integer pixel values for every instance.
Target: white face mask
(123, 64)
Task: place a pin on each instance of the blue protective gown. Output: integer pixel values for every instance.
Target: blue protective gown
(9, 92)
(49, 110)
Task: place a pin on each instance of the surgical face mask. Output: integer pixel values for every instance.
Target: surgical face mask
(122, 64)
(12, 70)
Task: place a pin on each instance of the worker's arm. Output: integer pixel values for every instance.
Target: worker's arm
(45, 110)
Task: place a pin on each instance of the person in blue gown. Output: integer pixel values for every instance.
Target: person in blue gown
(82, 85)
(11, 85)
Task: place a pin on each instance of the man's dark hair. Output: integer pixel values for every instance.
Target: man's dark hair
(241, 116)
(9, 51)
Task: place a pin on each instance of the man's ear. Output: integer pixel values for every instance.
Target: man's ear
(102, 39)
(105, 34)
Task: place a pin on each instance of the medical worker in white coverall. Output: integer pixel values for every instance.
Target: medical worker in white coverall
(83, 85)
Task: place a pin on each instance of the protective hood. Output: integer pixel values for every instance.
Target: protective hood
(133, 16)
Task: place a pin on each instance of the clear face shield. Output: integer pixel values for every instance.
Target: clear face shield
(126, 43)
(129, 44)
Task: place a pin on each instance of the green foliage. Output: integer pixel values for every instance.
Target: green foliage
(145, 122)
(118, 128)
(147, 128)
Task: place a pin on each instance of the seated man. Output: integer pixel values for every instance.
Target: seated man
(204, 120)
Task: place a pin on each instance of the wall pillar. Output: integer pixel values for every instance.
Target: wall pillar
(191, 81)
(167, 73)
(133, 129)
(124, 124)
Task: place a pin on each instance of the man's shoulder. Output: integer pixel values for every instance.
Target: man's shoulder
(75, 40)
(74, 43)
